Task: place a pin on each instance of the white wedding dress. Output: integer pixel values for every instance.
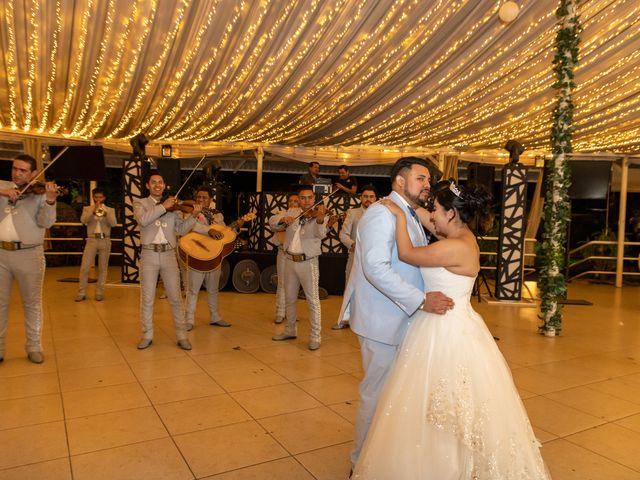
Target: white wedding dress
(449, 409)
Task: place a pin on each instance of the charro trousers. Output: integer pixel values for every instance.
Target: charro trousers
(280, 301)
(101, 247)
(307, 274)
(212, 284)
(27, 267)
(165, 265)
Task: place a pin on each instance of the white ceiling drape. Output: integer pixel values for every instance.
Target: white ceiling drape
(336, 80)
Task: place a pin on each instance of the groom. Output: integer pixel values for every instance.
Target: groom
(383, 292)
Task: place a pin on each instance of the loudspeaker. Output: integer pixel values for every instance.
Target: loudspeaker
(481, 175)
(77, 163)
(589, 179)
(169, 168)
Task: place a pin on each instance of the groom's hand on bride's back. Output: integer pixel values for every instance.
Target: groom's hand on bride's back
(437, 302)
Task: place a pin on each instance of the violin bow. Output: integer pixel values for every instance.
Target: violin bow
(33, 180)
(190, 175)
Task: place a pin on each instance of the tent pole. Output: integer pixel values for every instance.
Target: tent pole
(259, 153)
(622, 215)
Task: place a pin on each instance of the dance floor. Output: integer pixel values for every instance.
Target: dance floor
(239, 406)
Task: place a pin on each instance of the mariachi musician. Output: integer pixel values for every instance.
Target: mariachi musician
(305, 228)
(159, 223)
(23, 221)
(278, 238)
(99, 218)
(206, 218)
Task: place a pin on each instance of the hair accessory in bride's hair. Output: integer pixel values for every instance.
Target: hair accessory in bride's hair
(454, 189)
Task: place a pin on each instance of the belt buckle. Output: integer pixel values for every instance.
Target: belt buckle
(297, 257)
(11, 246)
(99, 235)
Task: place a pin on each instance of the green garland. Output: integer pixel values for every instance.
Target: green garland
(557, 215)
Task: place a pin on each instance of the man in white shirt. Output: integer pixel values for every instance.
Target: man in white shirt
(23, 220)
(305, 228)
(99, 218)
(292, 202)
(158, 224)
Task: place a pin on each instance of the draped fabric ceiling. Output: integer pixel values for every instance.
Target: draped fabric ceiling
(333, 80)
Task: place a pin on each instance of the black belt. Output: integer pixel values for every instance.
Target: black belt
(100, 235)
(296, 257)
(158, 247)
(11, 246)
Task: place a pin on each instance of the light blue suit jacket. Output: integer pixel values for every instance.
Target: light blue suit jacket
(383, 292)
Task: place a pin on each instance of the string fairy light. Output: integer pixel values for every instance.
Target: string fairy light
(398, 74)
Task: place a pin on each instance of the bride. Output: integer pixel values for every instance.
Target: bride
(449, 409)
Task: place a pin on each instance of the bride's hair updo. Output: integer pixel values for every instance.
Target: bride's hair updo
(471, 202)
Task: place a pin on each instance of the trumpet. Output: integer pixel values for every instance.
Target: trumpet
(100, 211)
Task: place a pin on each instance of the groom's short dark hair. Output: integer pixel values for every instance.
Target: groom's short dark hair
(405, 163)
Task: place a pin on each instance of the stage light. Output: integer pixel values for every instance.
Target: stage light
(138, 143)
(515, 149)
(166, 150)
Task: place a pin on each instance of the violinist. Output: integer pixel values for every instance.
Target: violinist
(208, 216)
(304, 227)
(159, 223)
(292, 202)
(23, 220)
(99, 218)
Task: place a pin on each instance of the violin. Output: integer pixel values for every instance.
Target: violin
(184, 206)
(39, 188)
(313, 212)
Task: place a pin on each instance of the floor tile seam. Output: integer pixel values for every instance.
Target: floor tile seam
(116, 446)
(599, 454)
(306, 409)
(352, 422)
(136, 443)
(583, 410)
(28, 396)
(67, 370)
(587, 385)
(341, 374)
(197, 397)
(322, 402)
(322, 448)
(6, 469)
(128, 409)
(572, 407)
(214, 427)
(590, 386)
(252, 465)
(322, 405)
(625, 427)
(98, 386)
(18, 427)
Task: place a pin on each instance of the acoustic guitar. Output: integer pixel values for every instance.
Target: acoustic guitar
(204, 253)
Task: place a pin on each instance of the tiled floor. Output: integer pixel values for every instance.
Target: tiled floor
(239, 406)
